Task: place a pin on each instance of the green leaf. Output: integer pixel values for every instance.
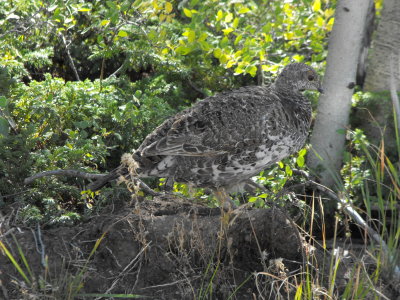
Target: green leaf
(191, 35)
(152, 35)
(235, 23)
(341, 131)
(298, 58)
(316, 5)
(168, 7)
(187, 12)
(288, 170)
(227, 31)
(300, 161)
(238, 39)
(122, 33)
(244, 10)
(3, 101)
(302, 152)
(220, 15)
(217, 52)
(224, 42)
(104, 22)
(252, 199)
(252, 70)
(239, 70)
(229, 18)
(183, 50)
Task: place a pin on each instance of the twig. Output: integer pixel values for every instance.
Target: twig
(71, 61)
(166, 284)
(132, 264)
(9, 119)
(122, 68)
(8, 232)
(40, 248)
(14, 194)
(146, 189)
(71, 173)
(75, 173)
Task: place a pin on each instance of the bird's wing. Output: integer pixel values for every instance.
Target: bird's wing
(216, 125)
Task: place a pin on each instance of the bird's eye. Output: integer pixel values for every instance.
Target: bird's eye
(310, 77)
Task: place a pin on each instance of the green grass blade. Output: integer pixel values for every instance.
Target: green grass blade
(77, 284)
(21, 254)
(14, 262)
(299, 292)
(239, 287)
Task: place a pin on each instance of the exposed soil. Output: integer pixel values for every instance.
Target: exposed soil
(166, 249)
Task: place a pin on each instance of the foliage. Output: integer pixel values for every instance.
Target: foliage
(75, 125)
(137, 63)
(82, 82)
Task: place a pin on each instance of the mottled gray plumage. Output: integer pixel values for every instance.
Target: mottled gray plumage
(223, 140)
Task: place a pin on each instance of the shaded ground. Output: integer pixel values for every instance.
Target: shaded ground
(167, 249)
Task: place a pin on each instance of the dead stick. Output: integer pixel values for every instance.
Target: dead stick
(84, 175)
(71, 173)
(71, 61)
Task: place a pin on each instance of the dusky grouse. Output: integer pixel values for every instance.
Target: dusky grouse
(224, 140)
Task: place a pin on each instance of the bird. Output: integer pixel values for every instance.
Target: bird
(222, 141)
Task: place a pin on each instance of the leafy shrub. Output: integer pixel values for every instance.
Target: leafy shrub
(138, 63)
(83, 125)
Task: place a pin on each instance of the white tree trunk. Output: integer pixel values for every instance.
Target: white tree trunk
(386, 43)
(335, 104)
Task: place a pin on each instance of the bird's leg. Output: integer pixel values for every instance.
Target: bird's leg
(226, 206)
(225, 201)
(169, 184)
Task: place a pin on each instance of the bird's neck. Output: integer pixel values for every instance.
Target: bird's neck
(285, 88)
(289, 92)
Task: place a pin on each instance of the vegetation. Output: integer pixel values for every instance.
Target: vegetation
(137, 63)
(82, 82)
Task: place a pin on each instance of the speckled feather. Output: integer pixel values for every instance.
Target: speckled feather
(223, 140)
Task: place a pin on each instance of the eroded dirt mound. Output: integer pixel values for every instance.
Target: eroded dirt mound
(165, 249)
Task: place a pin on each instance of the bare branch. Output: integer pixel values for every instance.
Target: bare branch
(89, 176)
(71, 61)
(70, 173)
(9, 119)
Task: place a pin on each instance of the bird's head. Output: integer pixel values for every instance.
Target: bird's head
(298, 77)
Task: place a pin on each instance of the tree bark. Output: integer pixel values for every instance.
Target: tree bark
(385, 44)
(334, 106)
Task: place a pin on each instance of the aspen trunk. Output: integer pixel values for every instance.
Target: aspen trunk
(386, 43)
(334, 106)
